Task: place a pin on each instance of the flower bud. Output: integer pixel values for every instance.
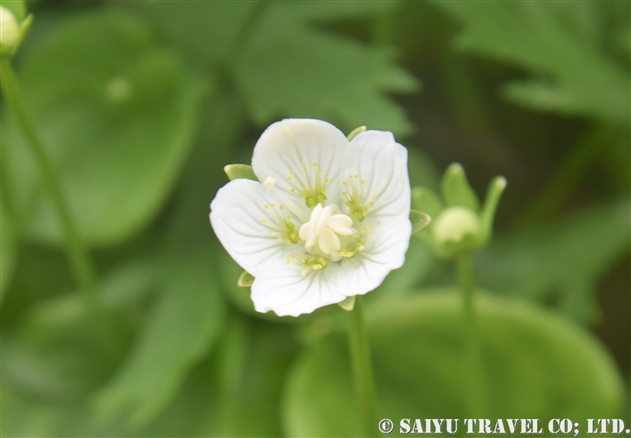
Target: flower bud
(9, 30)
(457, 231)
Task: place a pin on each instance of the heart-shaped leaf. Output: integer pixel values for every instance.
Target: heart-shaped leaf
(534, 364)
(116, 115)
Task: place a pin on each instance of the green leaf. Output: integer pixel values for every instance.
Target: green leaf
(61, 350)
(129, 284)
(243, 378)
(289, 68)
(535, 365)
(419, 220)
(180, 329)
(248, 379)
(204, 31)
(41, 273)
(563, 261)
(117, 132)
(456, 189)
(560, 45)
(243, 171)
(24, 416)
(218, 143)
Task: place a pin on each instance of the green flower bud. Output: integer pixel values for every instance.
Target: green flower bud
(9, 30)
(460, 224)
(454, 223)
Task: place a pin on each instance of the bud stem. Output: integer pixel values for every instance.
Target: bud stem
(76, 251)
(362, 368)
(477, 404)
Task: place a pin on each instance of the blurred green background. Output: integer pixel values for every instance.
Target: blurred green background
(141, 104)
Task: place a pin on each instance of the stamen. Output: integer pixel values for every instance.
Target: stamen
(280, 224)
(358, 210)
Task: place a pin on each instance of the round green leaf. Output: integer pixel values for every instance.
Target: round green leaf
(61, 349)
(116, 115)
(534, 364)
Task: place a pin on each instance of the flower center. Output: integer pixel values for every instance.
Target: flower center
(322, 233)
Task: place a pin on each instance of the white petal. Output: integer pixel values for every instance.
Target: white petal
(382, 163)
(283, 290)
(286, 145)
(236, 215)
(386, 247)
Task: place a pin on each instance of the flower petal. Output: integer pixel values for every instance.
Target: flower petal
(382, 163)
(282, 288)
(289, 149)
(285, 291)
(236, 216)
(385, 249)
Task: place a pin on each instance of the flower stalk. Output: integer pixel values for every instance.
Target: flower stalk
(76, 251)
(476, 398)
(362, 367)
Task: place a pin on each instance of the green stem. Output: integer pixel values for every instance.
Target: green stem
(476, 398)
(77, 254)
(362, 368)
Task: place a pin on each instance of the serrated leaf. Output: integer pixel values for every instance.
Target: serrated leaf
(180, 329)
(559, 45)
(118, 132)
(535, 365)
(289, 68)
(204, 31)
(564, 260)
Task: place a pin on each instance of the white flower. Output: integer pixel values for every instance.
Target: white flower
(329, 221)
